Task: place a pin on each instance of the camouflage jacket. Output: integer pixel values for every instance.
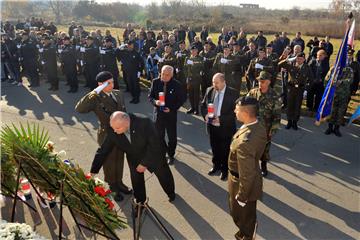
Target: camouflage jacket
(343, 82)
(299, 76)
(252, 72)
(269, 108)
(168, 59)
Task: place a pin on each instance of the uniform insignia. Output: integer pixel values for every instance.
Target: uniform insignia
(246, 137)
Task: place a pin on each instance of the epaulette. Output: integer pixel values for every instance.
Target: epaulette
(246, 137)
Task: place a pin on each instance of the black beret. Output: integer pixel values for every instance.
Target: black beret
(89, 38)
(247, 101)
(107, 39)
(66, 38)
(261, 49)
(226, 46)
(193, 47)
(103, 76)
(45, 37)
(182, 42)
(206, 42)
(269, 45)
(131, 42)
(236, 44)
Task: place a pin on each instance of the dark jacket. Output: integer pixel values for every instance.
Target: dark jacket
(145, 147)
(227, 115)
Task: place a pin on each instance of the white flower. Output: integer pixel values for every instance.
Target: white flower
(61, 154)
(98, 181)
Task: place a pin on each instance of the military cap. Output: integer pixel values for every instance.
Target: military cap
(264, 75)
(206, 42)
(261, 49)
(247, 101)
(66, 38)
(45, 37)
(226, 46)
(182, 42)
(300, 54)
(89, 37)
(193, 47)
(269, 45)
(103, 76)
(167, 45)
(24, 33)
(236, 43)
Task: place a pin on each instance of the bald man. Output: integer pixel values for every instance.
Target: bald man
(222, 127)
(136, 135)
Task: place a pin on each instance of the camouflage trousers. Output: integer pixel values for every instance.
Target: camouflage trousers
(338, 110)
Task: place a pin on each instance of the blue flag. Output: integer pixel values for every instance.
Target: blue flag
(356, 115)
(325, 106)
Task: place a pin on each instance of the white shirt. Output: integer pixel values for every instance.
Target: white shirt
(220, 101)
(249, 124)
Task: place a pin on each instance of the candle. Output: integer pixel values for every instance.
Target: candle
(25, 188)
(211, 110)
(162, 100)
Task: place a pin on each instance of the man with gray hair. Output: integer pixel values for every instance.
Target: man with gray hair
(165, 110)
(136, 135)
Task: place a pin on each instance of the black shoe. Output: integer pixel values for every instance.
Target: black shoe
(213, 171)
(264, 171)
(171, 160)
(196, 112)
(330, 129)
(294, 125)
(50, 88)
(54, 89)
(289, 124)
(136, 101)
(190, 111)
(337, 131)
(124, 189)
(223, 176)
(33, 85)
(172, 197)
(118, 197)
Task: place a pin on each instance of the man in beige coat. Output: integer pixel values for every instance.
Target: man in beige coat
(245, 179)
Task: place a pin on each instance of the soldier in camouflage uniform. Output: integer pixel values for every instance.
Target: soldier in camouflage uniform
(208, 56)
(269, 112)
(224, 64)
(168, 58)
(340, 102)
(194, 69)
(181, 55)
(103, 105)
(300, 77)
(256, 66)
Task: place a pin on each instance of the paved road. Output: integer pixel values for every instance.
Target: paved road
(312, 191)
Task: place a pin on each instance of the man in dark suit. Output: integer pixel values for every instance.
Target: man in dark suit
(222, 126)
(136, 135)
(165, 113)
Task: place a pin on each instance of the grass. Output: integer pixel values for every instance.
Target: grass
(355, 100)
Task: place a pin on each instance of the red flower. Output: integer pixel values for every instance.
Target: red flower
(88, 176)
(100, 190)
(110, 203)
(108, 192)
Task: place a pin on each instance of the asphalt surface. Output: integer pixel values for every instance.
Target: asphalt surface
(311, 192)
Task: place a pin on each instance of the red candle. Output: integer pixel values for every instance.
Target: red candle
(162, 98)
(211, 110)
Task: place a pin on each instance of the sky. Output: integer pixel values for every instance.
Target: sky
(269, 4)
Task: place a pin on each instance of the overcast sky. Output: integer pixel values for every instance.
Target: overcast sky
(269, 4)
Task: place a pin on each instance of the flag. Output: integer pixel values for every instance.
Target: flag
(351, 37)
(325, 106)
(355, 116)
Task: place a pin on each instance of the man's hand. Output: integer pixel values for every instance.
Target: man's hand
(157, 103)
(140, 168)
(166, 109)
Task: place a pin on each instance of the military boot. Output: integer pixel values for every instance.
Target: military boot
(337, 131)
(264, 171)
(330, 129)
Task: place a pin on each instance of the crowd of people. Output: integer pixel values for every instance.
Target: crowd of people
(208, 73)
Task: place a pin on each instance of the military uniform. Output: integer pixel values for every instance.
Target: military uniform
(245, 180)
(168, 59)
(48, 61)
(238, 66)
(224, 65)
(103, 106)
(274, 58)
(269, 116)
(340, 102)
(208, 58)
(194, 68)
(181, 55)
(68, 61)
(28, 58)
(91, 64)
(108, 63)
(300, 76)
(252, 72)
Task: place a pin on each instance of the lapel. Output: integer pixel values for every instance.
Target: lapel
(212, 95)
(239, 133)
(133, 133)
(223, 105)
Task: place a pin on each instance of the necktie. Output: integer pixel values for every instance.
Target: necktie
(165, 88)
(217, 102)
(112, 96)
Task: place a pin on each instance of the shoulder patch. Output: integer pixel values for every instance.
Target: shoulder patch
(246, 137)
